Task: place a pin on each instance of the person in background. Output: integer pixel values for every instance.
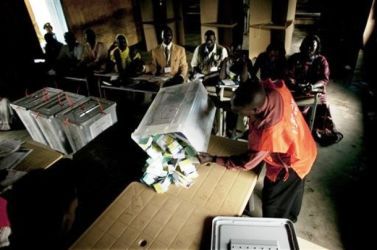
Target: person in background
(126, 60)
(70, 55)
(236, 67)
(6, 114)
(41, 207)
(49, 29)
(208, 56)
(94, 54)
(308, 73)
(169, 59)
(271, 63)
(52, 50)
(279, 136)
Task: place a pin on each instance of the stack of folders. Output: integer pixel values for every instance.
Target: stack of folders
(171, 161)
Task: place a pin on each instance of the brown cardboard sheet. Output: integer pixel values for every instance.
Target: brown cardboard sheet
(178, 219)
(41, 157)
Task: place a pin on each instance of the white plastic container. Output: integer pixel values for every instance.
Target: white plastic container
(184, 110)
(22, 107)
(86, 120)
(52, 128)
(253, 233)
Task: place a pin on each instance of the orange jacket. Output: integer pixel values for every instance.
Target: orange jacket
(290, 140)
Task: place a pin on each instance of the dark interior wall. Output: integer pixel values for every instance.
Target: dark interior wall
(342, 27)
(20, 46)
(106, 17)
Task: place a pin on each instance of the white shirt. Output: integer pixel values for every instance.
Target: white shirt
(169, 48)
(195, 57)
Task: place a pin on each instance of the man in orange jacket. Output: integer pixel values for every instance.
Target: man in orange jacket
(279, 136)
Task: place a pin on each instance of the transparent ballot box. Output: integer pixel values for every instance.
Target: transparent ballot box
(22, 107)
(86, 120)
(52, 128)
(184, 111)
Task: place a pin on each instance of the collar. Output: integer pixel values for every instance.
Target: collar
(168, 46)
(212, 51)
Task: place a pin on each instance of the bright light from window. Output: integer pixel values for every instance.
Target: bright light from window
(50, 11)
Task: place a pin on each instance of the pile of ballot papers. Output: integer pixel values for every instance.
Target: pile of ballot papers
(171, 161)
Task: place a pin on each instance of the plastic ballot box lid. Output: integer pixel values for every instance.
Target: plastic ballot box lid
(253, 233)
(183, 110)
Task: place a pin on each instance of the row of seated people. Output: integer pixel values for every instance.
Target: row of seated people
(304, 72)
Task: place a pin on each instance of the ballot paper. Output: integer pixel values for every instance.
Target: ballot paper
(9, 146)
(171, 160)
(12, 160)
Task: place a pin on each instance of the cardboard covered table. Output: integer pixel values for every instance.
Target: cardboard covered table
(140, 218)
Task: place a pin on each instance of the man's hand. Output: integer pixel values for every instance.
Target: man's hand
(174, 81)
(304, 88)
(206, 158)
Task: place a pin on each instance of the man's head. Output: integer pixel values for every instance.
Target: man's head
(249, 98)
(90, 36)
(210, 39)
(310, 46)
(70, 38)
(275, 51)
(167, 35)
(121, 41)
(47, 27)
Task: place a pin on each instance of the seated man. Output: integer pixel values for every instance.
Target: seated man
(52, 50)
(125, 59)
(94, 53)
(208, 56)
(70, 55)
(271, 64)
(309, 73)
(236, 67)
(169, 59)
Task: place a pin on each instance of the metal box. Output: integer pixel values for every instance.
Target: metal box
(87, 120)
(184, 110)
(51, 127)
(253, 233)
(22, 107)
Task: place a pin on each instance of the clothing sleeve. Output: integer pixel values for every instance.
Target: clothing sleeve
(102, 53)
(86, 55)
(243, 162)
(183, 67)
(152, 67)
(112, 57)
(194, 60)
(290, 71)
(224, 54)
(324, 74)
(257, 64)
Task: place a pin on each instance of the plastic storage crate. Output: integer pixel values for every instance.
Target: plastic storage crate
(22, 107)
(183, 110)
(253, 233)
(52, 128)
(86, 120)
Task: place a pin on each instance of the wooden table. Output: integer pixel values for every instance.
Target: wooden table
(40, 158)
(179, 219)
